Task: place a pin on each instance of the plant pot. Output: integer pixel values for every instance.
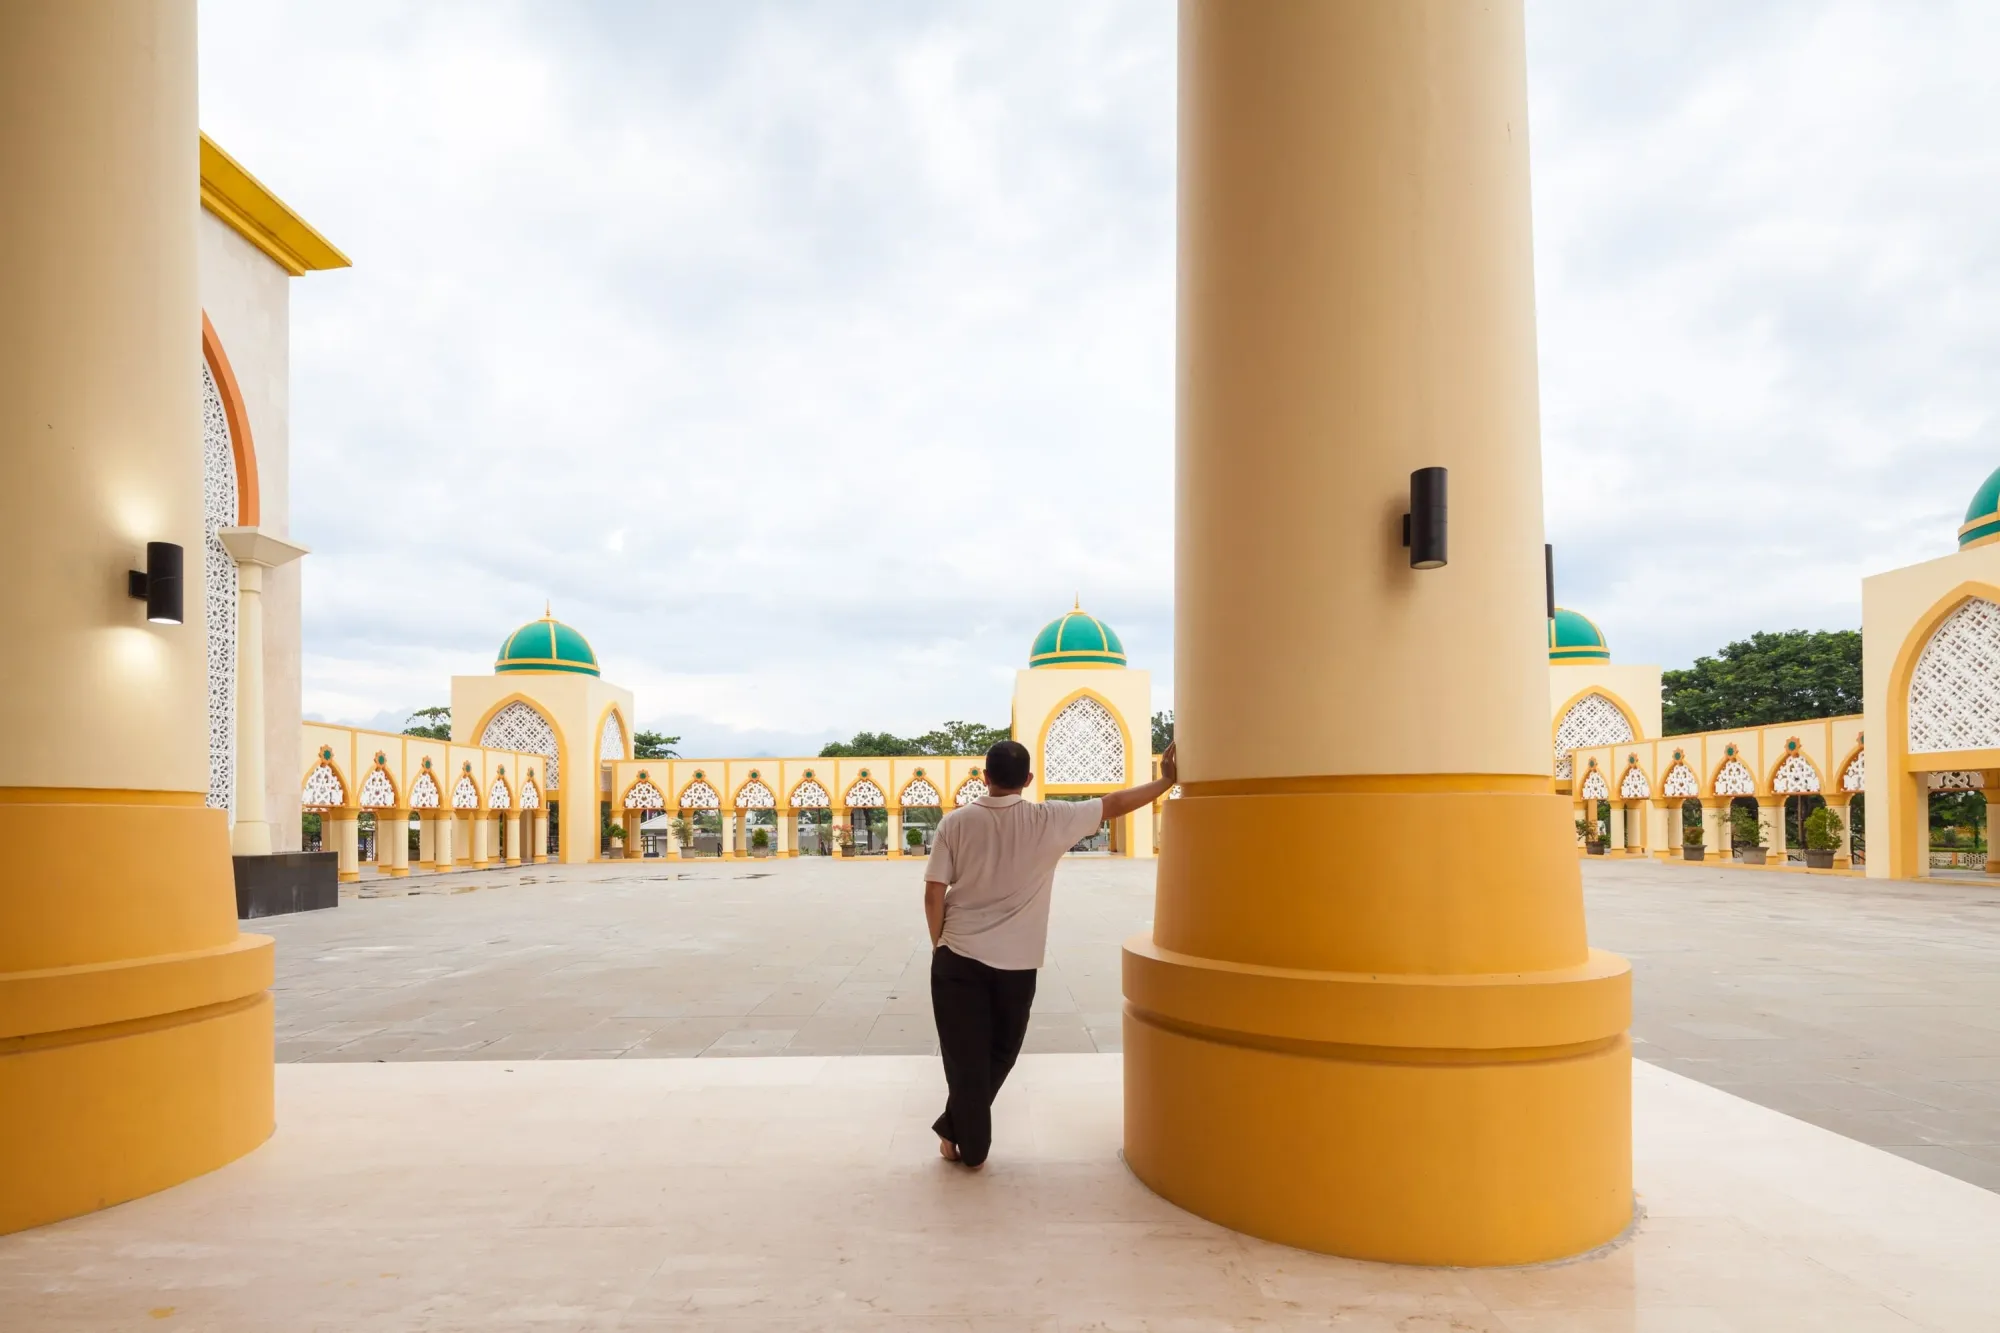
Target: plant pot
(1819, 860)
(1593, 848)
(1751, 856)
(1693, 853)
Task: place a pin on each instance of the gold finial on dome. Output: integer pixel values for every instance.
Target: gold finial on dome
(548, 609)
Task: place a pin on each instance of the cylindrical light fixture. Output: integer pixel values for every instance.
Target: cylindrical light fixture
(159, 584)
(1424, 525)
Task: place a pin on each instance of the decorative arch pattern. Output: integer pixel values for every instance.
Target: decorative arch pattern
(969, 791)
(465, 795)
(1591, 720)
(497, 795)
(643, 795)
(1795, 777)
(1681, 781)
(377, 792)
(865, 795)
(218, 511)
(1633, 786)
(424, 794)
(754, 795)
(1084, 744)
(531, 795)
(921, 793)
(1595, 788)
(521, 726)
(1955, 687)
(698, 795)
(1960, 780)
(1733, 779)
(1855, 776)
(323, 789)
(611, 741)
(809, 795)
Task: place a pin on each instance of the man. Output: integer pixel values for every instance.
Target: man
(986, 898)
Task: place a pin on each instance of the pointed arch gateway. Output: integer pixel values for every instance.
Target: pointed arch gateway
(1591, 719)
(1084, 745)
(519, 725)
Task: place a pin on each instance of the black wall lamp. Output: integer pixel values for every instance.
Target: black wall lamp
(158, 585)
(1423, 526)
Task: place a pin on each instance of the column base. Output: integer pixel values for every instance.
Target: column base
(1468, 1121)
(513, 861)
(397, 872)
(135, 1020)
(349, 876)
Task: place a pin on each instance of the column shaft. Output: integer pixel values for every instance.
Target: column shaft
(1357, 302)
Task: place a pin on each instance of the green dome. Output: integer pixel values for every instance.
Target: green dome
(1982, 516)
(1573, 638)
(546, 645)
(1076, 639)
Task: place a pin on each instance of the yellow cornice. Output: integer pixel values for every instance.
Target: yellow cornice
(260, 217)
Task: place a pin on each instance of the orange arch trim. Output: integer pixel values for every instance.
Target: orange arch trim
(240, 443)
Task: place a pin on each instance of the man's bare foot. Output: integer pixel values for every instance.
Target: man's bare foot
(947, 1150)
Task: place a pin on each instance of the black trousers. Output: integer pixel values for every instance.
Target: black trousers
(982, 1017)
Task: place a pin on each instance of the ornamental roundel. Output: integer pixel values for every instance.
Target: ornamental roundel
(754, 795)
(969, 791)
(1681, 781)
(1733, 779)
(1085, 744)
(698, 795)
(1796, 776)
(1591, 720)
(1595, 788)
(218, 510)
(1855, 776)
(377, 792)
(1955, 688)
(322, 789)
(531, 795)
(497, 796)
(809, 795)
(865, 795)
(1633, 786)
(611, 741)
(1960, 780)
(645, 796)
(424, 794)
(921, 793)
(465, 796)
(519, 726)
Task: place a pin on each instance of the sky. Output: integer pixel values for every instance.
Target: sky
(751, 336)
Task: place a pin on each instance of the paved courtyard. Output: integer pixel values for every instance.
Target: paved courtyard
(1870, 1010)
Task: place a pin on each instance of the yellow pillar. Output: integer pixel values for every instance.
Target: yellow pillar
(135, 1024)
(346, 823)
(1663, 838)
(508, 841)
(781, 838)
(135, 941)
(1717, 827)
(634, 850)
(474, 828)
(392, 842)
(896, 830)
(540, 850)
(1332, 1039)
(444, 836)
(1842, 805)
(1771, 824)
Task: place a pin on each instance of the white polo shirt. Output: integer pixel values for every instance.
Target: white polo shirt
(998, 858)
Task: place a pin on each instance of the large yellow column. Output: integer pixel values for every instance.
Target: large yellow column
(1360, 1038)
(135, 1024)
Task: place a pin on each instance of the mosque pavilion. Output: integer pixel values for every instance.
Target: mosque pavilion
(1369, 910)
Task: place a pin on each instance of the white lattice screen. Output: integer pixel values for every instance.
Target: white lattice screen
(218, 508)
(497, 796)
(969, 791)
(1084, 744)
(1681, 781)
(698, 795)
(920, 793)
(1955, 689)
(1591, 720)
(1855, 776)
(520, 727)
(322, 789)
(865, 795)
(1633, 786)
(611, 744)
(1735, 780)
(465, 796)
(1595, 788)
(1795, 776)
(811, 796)
(377, 792)
(645, 796)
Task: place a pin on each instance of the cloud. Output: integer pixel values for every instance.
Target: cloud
(810, 356)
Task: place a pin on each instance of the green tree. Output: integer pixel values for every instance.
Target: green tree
(1163, 730)
(1766, 678)
(652, 745)
(433, 722)
(953, 738)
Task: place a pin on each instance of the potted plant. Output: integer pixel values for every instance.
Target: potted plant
(683, 830)
(1691, 844)
(844, 836)
(1747, 837)
(913, 838)
(1587, 830)
(760, 841)
(1823, 829)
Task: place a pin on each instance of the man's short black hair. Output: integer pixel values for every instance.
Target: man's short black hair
(1007, 765)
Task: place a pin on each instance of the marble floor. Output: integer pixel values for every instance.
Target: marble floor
(804, 1193)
